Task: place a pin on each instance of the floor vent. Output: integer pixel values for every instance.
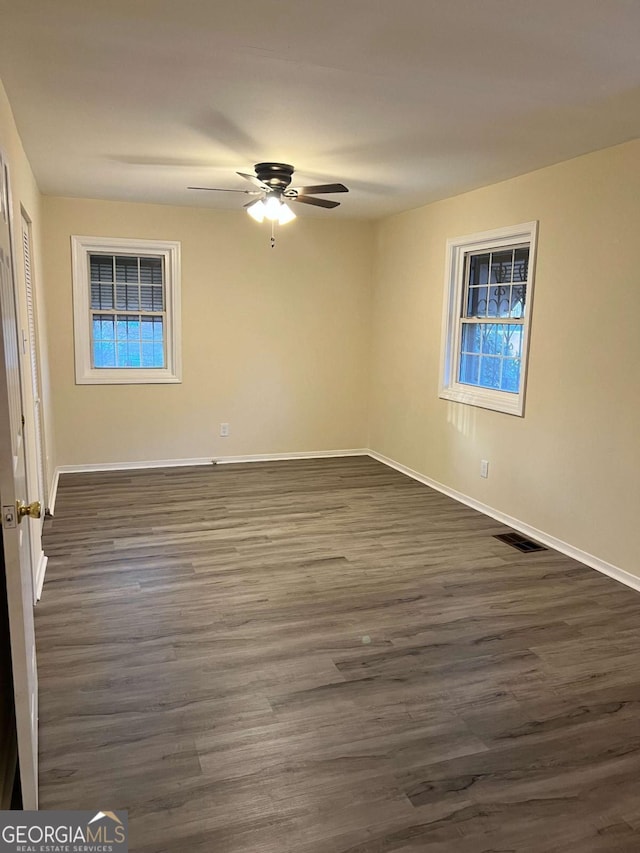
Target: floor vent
(517, 540)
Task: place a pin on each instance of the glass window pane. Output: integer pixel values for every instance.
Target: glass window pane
(501, 267)
(127, 297)
(128, 328)
(121, 353)
(102, 327)
(512, 341)
(521, 265)
(107, 329)
(518, 294)
(109, 348)
(146, 329)
(96, 329)
(101, 267)
(147, 354)
(158, 298)
(489, 339)
(121, 328)
(490, 372)
(469, 369)
(151, 298)
(510, 375)
(133, 298)
(477, 302)
(101, 294)
(126, 269)
(146, 297)
(106, 295)
(151, 270)
(133, 329)
(97, 354)
(471, 337)
(499, 303)
(158, 355)
(133, 354)
(104, 354)
(479, 269)
(109, 353)
(128, 341)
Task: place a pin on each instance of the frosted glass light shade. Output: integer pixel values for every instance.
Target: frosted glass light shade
(272, 208)
(257, 210)
(285, 214)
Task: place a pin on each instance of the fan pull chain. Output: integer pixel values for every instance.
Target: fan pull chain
(273, 238)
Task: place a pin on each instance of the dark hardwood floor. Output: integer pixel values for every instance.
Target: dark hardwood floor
(328, 657)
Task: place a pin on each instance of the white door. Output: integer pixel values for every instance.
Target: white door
(15, 531)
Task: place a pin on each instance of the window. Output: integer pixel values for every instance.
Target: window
(486, 320)
(126, 296)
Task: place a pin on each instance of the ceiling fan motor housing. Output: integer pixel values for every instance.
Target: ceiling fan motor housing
(275, 175)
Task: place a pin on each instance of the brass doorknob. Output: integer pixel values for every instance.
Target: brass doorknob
(33, 510)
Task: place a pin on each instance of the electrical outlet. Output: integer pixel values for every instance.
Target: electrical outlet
(484, 468)
(224, 430)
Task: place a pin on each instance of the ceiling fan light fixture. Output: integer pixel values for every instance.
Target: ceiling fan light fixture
(272, 206)
(285, 214)
(256, 210)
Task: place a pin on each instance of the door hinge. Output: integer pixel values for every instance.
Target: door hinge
(22, 419)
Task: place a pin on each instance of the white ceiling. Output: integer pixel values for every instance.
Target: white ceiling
(405, 101)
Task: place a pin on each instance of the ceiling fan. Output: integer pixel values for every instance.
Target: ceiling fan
(272, 182)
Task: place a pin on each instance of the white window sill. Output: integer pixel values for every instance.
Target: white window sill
(499, 401)
(127, 376)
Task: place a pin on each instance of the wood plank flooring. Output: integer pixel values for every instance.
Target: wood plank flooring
(327, 657)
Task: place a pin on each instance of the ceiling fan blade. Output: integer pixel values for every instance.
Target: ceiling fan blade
(318, 202)
(255, 181)
(224, 190)
(321, 188)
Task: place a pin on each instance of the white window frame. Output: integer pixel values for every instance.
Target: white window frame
(457, 251)
(86, 374)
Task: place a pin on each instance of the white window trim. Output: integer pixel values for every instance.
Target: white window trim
(457, 249)
(86, 374)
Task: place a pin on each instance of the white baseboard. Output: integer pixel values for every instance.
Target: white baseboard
(53, 491)
(202, 460)
(282, 457)
(42, 568)
(547, 539)
(88, 467)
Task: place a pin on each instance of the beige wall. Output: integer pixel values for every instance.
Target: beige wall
(25, 195)
(274, 342)
(571, 466)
